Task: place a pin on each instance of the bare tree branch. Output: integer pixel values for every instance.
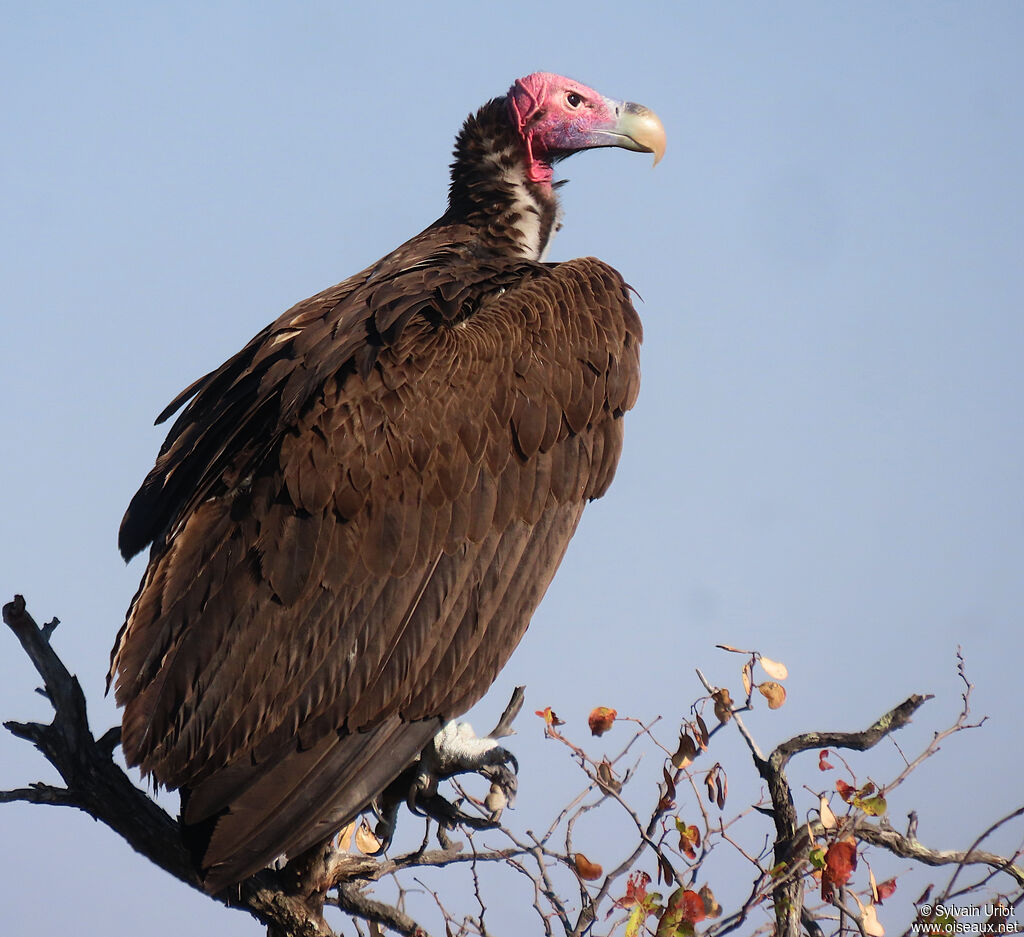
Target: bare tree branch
(909, 847)
(100, 788)
(791, 843)
(290, 902)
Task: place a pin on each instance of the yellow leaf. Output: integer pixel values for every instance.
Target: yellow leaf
(828, 818)
(636, 918)
(774, 669)
(873, 806)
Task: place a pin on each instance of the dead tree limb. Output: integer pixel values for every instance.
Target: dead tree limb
(97, 786)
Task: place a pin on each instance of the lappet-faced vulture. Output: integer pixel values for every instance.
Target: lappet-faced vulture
(354, 518)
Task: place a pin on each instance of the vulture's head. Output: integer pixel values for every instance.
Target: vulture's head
(557, 117)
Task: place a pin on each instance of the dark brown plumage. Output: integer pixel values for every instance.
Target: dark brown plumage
(354, 518)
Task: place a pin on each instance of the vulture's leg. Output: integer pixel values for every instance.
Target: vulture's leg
(455, 750)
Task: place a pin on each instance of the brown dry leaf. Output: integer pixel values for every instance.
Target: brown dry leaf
(731, 649)
(722, 783)
(723, 704)
(712, 908)
(709, 783)
(366, 842)
(345, 836)
(828, 818)
(774, 692)
(775, 669)
(585, 869)
(601, 719)
(668, 798)
(748, 678)
(686, 752)
(703, 734)
(606, 779)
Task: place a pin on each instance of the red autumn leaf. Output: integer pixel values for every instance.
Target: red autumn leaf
(636, 890)
(600, 720)
(845, 790)
(823, 763)
(683, 909)
(692, 907)
(585, 869)
(840, 861)
(885, 890)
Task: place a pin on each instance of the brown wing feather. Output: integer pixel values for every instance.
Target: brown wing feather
(349, 545)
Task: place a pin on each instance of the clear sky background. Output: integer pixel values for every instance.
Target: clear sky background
(827, 458)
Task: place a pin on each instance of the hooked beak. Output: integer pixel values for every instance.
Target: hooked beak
(636, 128)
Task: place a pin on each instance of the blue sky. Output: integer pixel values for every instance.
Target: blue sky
(826, 461)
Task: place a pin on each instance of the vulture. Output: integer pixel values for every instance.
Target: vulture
(353, 519)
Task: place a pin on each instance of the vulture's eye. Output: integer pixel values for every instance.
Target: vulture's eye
(573, 99)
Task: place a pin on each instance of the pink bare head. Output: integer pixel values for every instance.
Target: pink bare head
(557, 117)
